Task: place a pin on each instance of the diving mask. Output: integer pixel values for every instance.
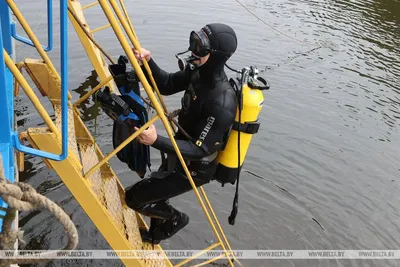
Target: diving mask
(199, 45)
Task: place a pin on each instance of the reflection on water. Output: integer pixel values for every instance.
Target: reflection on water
(88, 112)
(372, 48)
(323, 171)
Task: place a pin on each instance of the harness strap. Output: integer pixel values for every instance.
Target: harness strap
(249, 127)
(171, 162)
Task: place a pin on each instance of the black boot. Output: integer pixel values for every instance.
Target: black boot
(164, 230)
(165, 221)
(147, 236)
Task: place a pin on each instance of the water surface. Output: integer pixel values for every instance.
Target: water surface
(323, 171)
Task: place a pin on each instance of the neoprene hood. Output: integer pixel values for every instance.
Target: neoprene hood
(223, 42)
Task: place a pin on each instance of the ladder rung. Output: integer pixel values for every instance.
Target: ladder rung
(100, 28)
(209, 261)
(198, 254)
(90, 5)
(94, 90)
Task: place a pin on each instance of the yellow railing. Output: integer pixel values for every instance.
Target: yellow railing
(33, 38)
(30, 93)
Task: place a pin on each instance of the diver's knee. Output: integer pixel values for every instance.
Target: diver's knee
(130, 198)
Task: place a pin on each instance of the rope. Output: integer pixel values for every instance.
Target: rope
(319, 45)
(89, 36)
(273, 28)
(173, 114)
(22, 196)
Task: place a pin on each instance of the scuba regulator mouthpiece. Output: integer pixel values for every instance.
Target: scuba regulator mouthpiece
(186, 62)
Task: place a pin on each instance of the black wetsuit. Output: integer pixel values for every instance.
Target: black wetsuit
(208, 111)
(207, 116)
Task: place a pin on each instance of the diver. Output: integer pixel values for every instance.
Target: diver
(207, 114)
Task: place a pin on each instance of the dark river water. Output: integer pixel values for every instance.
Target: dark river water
(322, 173)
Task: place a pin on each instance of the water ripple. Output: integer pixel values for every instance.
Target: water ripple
(322, 172)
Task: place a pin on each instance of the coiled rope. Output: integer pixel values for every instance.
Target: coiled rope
(23, 197)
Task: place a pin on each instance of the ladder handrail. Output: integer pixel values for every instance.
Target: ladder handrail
(64, 91)
(3, 84)
(49, 30)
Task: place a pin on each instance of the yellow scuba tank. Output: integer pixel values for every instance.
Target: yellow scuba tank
(231, 157)
(250, 100)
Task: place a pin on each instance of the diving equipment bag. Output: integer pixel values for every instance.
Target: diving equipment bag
(127, 110)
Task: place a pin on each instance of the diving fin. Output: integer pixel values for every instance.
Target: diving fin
(128, 111)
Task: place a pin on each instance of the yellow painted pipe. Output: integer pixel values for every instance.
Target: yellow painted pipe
(209, 261)
(100, 28)
(121, 146)
(129, 53)
(127, 18)
(90, 5)
(33, 38)
(29, 92)
(94, 90)
(218, 224)
(198, 254)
